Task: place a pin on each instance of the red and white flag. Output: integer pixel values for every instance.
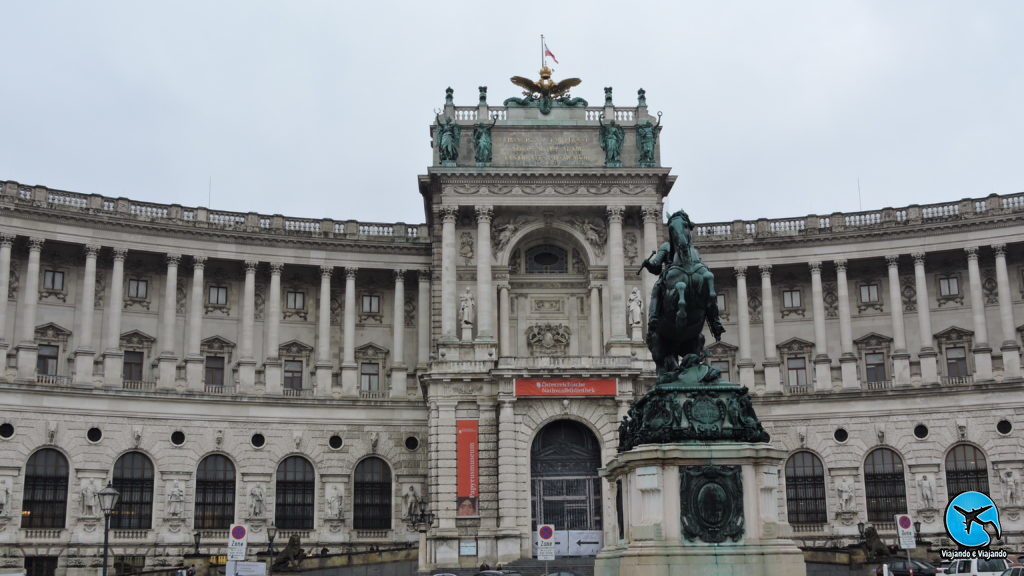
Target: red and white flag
(547, 52)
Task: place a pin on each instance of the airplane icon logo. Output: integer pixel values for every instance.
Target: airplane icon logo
(966, 510)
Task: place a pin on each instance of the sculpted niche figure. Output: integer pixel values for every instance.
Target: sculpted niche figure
(482, 141)
(636, 309)
(446, 138)
(175, 501)
(467, 308)
(611, 138)
(256, 501)
(646, 139)
(845, 495)
(927, 487)
(88, 499)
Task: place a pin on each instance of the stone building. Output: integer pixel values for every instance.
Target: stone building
(325, 375)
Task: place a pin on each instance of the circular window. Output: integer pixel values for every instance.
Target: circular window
(412, 443)
(177, 437)
(921, 431)
(94, 434)
(1003, 426)
(335, 442)
(6, 430)
(258, 440)
(841, 435)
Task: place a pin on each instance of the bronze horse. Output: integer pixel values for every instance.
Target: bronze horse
(682, 300)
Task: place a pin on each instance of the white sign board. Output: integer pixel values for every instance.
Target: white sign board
(238, 538)
(247, 568)
(546, 542)
(905, 531)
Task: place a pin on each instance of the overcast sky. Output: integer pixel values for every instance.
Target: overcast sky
(319, 109)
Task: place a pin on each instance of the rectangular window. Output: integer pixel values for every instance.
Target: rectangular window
(132, 368)
(53, 280)
(797, 369)
(138, 288)
(791, 299)
(293, 374)
(874, 365)
(723, 367)
(956, 362)
(218, 296)
(720, 299)
(126, 565)
(869, 293)
(371, 304)
(46, 360)
(369, 377)
(949, 286)
(215, 371)
(296, 300)
(40, 565)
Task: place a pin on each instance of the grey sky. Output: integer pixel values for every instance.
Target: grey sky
(321, 108)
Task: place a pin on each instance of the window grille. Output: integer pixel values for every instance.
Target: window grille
(371, 495)
(296, 484)
(133, 478)
(40, 565)
(966, 469)
(805, 489)
(45, 499)
(884, 487)
(215, 493)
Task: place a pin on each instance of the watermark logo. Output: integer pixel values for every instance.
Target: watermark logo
(972, 519)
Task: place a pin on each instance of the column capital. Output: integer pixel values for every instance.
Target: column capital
(484, 214)
(173, 260)
(594, 286)
(350, 273)
(91, 250)
(276, 268)
(972, 252)
(35, 244)
(651, 214)
(198, 262)
(815, 266)
(326, 271)
(999, 249)
(503, 286)
(423, 274)
(400, 275)
(893, 261)
(6, 239)
(766, 270)
(840, 265)
(740, 271)
(250, 266)
(448, 214)
(615, 214)
(918, 258)
(120, 254)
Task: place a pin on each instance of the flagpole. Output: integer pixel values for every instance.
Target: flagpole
(543, 62)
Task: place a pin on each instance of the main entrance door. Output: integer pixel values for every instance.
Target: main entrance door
(566, 490)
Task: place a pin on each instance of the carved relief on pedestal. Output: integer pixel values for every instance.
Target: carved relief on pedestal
(548, 339)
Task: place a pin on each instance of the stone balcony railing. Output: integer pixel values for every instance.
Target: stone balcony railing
(886, 218)
(13, 193)
(623, 114)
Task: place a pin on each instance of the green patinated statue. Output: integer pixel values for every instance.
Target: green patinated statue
(446, 138)
(482, 143)
(646, 141)
(641, 98)
(611, 138)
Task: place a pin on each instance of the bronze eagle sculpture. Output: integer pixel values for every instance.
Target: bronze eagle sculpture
(546, 88)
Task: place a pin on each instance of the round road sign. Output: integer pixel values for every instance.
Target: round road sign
(546, 532)
(905, 522)
(238, 532)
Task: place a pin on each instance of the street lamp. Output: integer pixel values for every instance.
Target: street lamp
(197, 538)
(108, 501)
(860, 530)
(421, 521)
(271, 534)
(917, 530)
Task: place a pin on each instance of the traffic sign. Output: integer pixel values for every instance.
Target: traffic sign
(905, 531)
(546, 542)
(238, 537)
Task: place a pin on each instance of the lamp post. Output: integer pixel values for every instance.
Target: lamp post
(860, 530)
(197, 538)
(917, 531)
(108, 501)
(421, 521)
(271, 534)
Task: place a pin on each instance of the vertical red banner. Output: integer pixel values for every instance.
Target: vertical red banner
(467, 460)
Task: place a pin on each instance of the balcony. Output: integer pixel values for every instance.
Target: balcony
(879, 385)
(956, 380)
(144, 385)
(53, 379)
(298, 392)
(225, 390)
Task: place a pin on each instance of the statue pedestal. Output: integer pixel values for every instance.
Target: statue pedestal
(698, 508)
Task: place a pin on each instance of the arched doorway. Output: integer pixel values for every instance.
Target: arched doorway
(565, 487)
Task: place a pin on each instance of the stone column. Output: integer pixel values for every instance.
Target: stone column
(484, 292)
(772, 377)
(272, 375)
(349, 369)
(85, 353)
(822, 362)
(246, 356)
(929, 370)
(398, 370)
(616, 279)
(324, 366)
(507, 480)
(744, 363)
(504, 320)
(448, 286)
(982, 351)
(6, 241)
(596, 342)
(1009, 347)
(900, 357)
(848, 360)
(167, 361)
(27, 350)
(651, 217)
(113, 356)
(193, 357)
(423, 319)
(446, 466)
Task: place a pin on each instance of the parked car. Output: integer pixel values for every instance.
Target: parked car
(978, 567)
(900, 567)
(1013, 571)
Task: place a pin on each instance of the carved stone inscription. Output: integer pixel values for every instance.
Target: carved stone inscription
(556, 149)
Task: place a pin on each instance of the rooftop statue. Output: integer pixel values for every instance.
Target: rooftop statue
(446, 138)
(545, 92)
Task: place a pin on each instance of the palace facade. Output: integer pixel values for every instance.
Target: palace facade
(326, 375)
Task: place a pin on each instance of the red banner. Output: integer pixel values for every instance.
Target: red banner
(467, 459)
(565, 386)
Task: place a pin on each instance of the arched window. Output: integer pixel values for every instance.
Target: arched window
(966, 469)
(547, 259)
(805, 489)
(45, 502)
(371, 498)
(215, 493)
(884, 487)
(296, 484)
(133, 478)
